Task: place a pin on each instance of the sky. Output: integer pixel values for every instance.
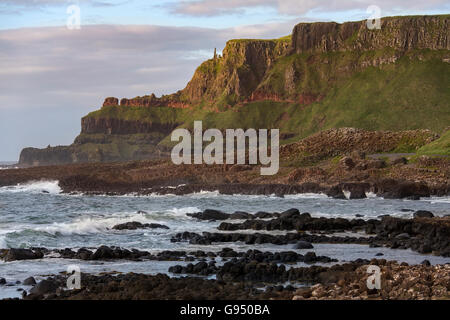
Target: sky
(52, 74)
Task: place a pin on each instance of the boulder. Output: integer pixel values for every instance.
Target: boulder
(423, 214)
(137, 225)
(23, 254)
(209, 214)
(289, 214)
(402, 236)
(310, 257)
(44, 287)
(303, 245)
(103, 253)
(29, 281)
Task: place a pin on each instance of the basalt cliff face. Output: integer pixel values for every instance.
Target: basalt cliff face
(323, 76)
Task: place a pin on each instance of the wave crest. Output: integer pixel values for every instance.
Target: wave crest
(51, 186)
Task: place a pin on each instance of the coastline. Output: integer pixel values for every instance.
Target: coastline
(162, 177)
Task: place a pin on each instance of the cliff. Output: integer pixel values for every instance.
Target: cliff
(323, 76)
(398, 33)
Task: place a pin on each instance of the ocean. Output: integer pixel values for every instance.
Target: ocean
(38, 215)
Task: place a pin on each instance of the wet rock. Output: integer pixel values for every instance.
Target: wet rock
(44, 287)
(310, 257)
(29, 281)
(303, 245)
(423, 214)
(356, 190)
(23, 254)
(393, 189)
(84, 254)
(402, 236)
(264, 215)
(290, 214)
(209, 214)
(103, 253)
(426, 263)
(290, 238)
(137, 225)
(239, 215)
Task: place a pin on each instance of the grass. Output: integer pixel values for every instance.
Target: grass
(440, 146)
(411, 94)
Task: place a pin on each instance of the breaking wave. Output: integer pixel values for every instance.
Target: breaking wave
(104, 223)
(51, 187)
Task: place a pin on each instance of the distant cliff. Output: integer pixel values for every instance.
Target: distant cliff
(325, 75)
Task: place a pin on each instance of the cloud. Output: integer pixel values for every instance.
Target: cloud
(57, 67)
(41, 3)
(297, 7)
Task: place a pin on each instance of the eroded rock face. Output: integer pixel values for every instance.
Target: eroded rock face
(111, 101)
(119, 126)
(240, 70)
(398, 33)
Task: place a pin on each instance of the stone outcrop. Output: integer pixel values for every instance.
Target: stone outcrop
(238, 72)
(399, 33)
(91, 125)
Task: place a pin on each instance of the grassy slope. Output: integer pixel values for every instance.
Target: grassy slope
(409, 94)
(437, 147)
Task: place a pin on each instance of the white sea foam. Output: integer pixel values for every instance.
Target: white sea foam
(87, 225)
(347, 194)
(34, 187)
(371, 194)
(181, 212)
(99, 224)
(437, 199)
(306, 196)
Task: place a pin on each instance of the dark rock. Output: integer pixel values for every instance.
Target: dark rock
(23, 254)
(310, 257)
(103, 253)
(137, 225)
(239, 215)
(426, 263)
(303, 245)
(289, 214)
(401, 160)
(423, 214)
(44, 287)
(402, 236)
(2, 281)
(29, 281)
(84, 254)
(209, 214)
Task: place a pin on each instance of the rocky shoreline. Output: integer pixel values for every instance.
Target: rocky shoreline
(255, 274)
(259, 282)
(336, 180)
